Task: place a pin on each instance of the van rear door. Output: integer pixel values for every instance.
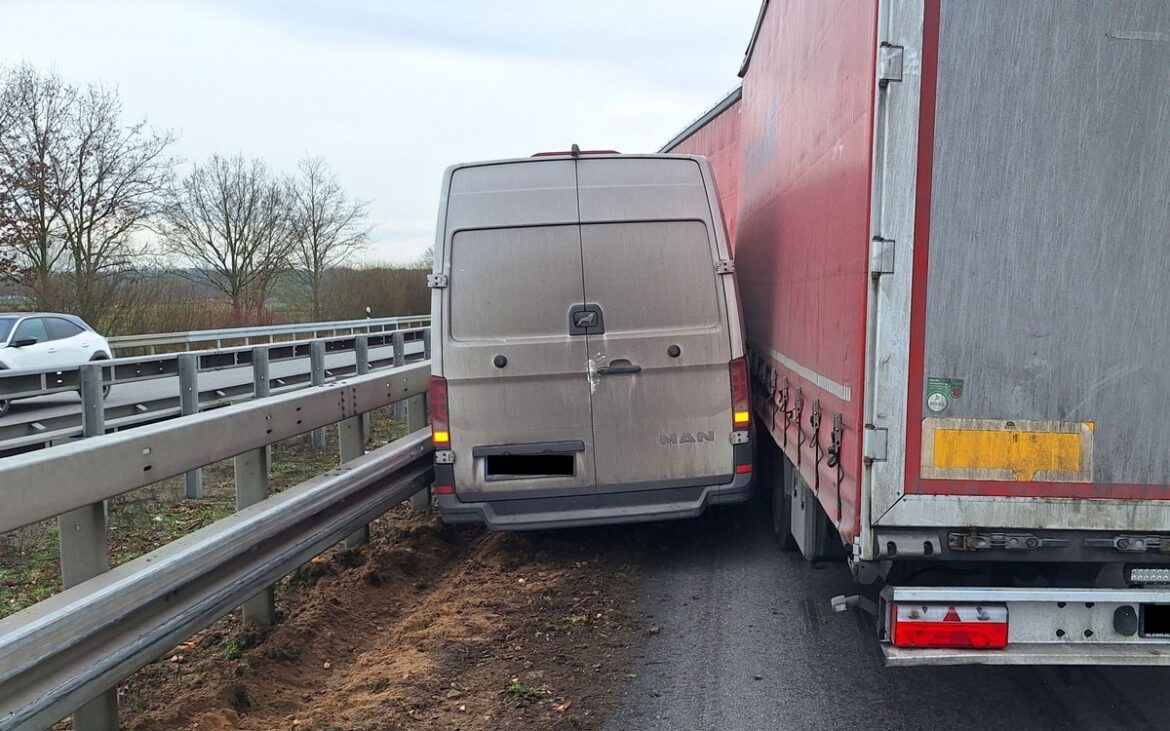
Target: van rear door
(649, 250)
(518, 397)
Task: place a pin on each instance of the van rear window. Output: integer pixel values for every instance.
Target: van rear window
(655, 275)
(514, 282)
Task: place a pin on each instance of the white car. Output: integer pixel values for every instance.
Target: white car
(47, 340)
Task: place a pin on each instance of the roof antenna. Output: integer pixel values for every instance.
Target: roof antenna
(575, 151)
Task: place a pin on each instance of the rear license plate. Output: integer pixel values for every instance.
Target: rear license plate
(1155, 620)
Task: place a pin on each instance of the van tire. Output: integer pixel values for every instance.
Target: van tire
(779, 475)
(4, 404)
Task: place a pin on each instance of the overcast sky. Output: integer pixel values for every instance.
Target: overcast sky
(390, 92)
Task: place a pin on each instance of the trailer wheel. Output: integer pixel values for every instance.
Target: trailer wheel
(780, 483)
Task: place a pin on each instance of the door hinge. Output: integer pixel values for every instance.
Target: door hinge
(436, 281)
(881, 256)
(724, 266)
(889, 63)
(874, 444)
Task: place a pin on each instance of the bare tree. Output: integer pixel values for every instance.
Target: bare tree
(76, 186)
(229, 220)
(111, 180)
(426, 260)
(36, 109)
(328, 226)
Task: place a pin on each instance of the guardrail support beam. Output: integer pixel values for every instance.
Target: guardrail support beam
(251, 470)
(317, 373)
(84, 550)
(361, 349)
(189, 404)
(351, 438)
(352, 434)
(399, 341)
(416, 418)
(252, 487)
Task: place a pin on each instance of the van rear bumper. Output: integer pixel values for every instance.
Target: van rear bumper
(662, 503)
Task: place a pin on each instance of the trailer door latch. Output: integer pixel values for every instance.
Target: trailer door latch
(724, 266)
(889, 63)
(436, 281)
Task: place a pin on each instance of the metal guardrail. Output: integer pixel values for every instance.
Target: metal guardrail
(35, 430)
(313, 330)
(68, 650)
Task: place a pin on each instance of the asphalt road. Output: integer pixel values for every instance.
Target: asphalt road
(65, 403)
(732, 607)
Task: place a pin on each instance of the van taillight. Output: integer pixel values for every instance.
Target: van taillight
(741, 415)
(440, 427)
(967, 626)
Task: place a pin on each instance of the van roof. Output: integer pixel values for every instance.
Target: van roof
(593, 156)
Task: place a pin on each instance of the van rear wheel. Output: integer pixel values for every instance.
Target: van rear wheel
(4, 407)
(780, 479)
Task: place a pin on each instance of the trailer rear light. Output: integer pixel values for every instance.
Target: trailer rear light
(444, 489)
(440, 429)
(741, 414)
(743, 469)
(977, 627)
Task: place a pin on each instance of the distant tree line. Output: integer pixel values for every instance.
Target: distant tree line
(97, 219)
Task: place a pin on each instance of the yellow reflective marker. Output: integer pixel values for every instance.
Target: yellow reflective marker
(1015, 450)
(741, 417)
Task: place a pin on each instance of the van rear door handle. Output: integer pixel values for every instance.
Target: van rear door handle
(618, 367)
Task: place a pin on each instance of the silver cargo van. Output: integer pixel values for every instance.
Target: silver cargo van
(588, 357)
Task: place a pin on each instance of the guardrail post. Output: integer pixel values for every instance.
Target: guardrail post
(361, 349)
(189, 404)
(351, 437)
(251, 487)
(84, 551)
(399, 341)
(317, 372)
(416, 418)
(353, 432)
(262, 384)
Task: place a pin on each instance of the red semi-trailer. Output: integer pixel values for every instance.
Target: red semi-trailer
(715, 134)
(952, 243)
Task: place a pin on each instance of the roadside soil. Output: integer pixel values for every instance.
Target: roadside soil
(428, 627)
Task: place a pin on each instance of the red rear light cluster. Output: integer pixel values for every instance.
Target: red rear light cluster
(440, 425)
(968, 626)
(741, 414)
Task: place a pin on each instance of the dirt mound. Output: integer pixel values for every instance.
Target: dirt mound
(428, 628)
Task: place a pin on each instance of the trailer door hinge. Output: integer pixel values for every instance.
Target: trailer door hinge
(881, 256)
(874, 444)
(889, 63)
(724, 266)
(436, 281)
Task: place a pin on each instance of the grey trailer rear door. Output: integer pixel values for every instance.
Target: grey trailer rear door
(648, 252)
(515, 376)
(1038, 393)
